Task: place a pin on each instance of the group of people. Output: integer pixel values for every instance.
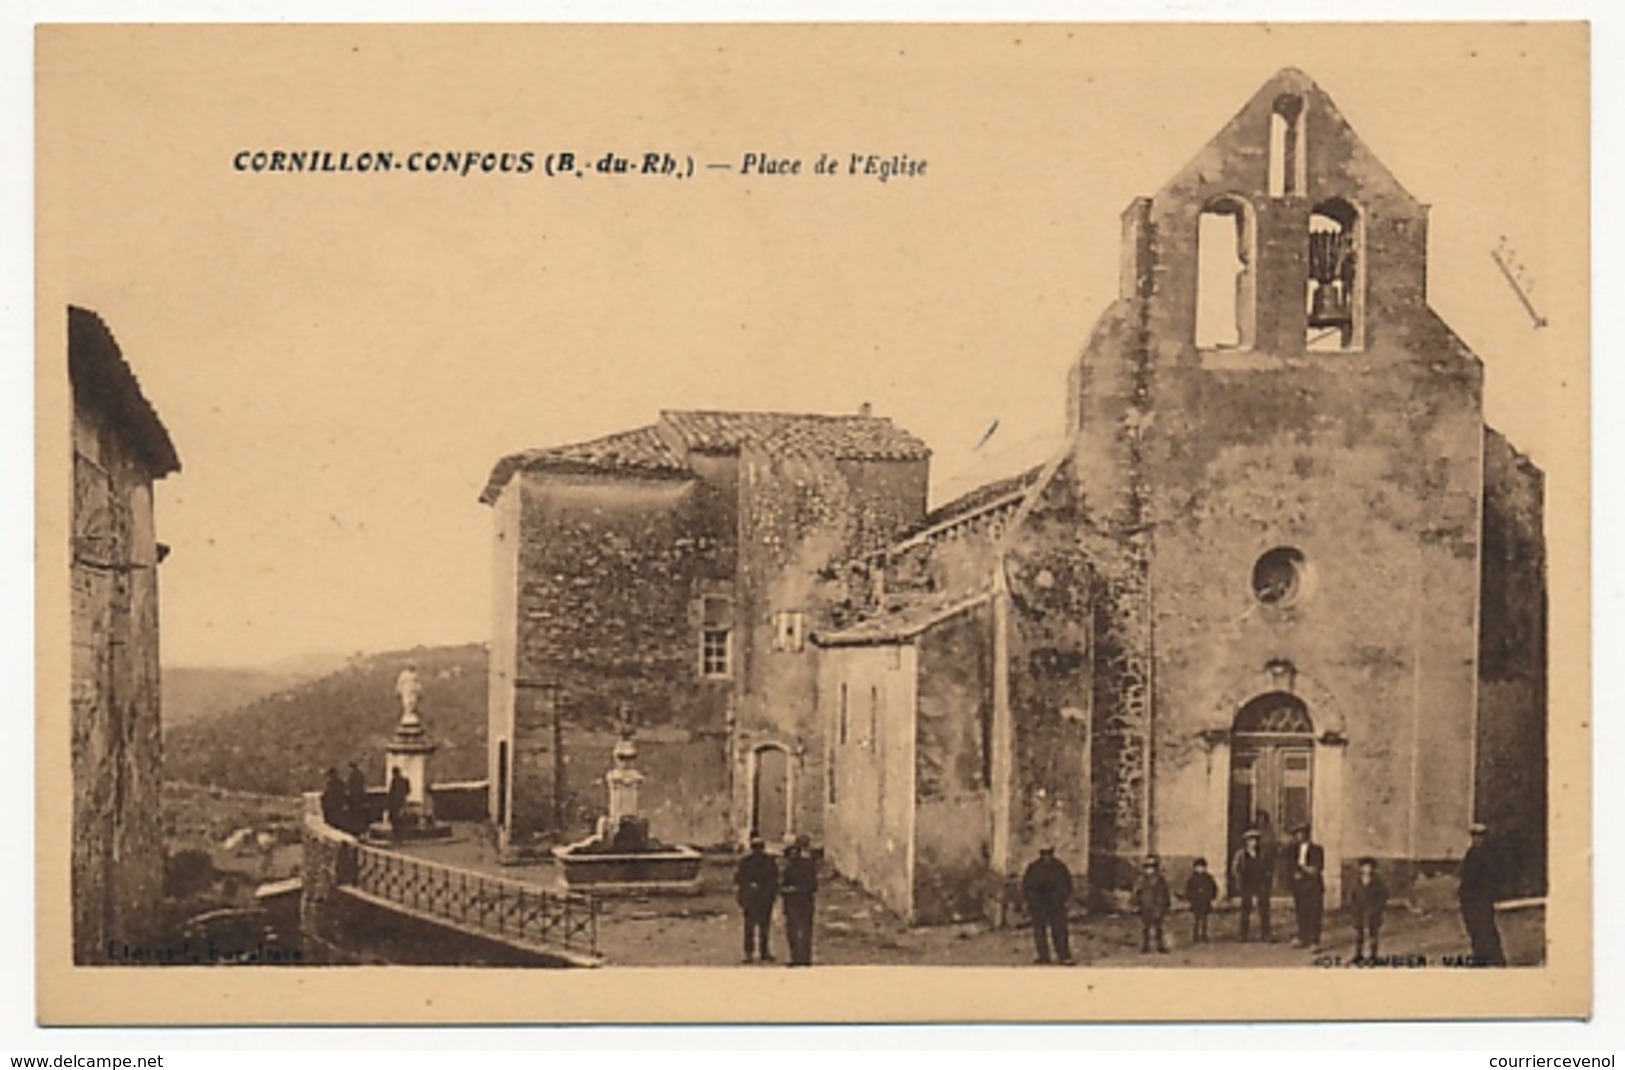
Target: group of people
(345, 805)
(1252, 878)
(344, 800)
(760, 884)
(1047, 888)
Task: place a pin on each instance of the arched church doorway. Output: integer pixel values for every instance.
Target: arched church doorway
(1272, 767)
(770, 793)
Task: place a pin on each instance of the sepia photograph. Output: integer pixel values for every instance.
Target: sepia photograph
(818, 522)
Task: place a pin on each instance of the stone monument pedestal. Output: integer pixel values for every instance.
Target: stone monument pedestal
(409, 753)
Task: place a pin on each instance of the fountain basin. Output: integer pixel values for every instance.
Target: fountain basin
(588, 867)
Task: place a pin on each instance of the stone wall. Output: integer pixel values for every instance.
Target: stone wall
(118, 848)
(866, 788)
(953, 777)
(328, 862)
(1511, 769)
(611, 576)
(801, 520)
(1052, 681)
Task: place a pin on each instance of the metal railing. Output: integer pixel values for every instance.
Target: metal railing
(499, 907)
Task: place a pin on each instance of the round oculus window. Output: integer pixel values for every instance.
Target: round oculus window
(1280, 576)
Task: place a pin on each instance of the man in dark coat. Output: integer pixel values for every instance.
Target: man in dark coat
(400, 789)
(798, 886)
(1201, 890)
(1481, 880)
(333, 801)
(355, 799)
(756, 879)
(1308, 887)
(1152, 902)
(1252, 877)
(1047, 887)
(1367, 900)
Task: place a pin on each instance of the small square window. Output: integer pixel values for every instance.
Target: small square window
(789, 631)
(714, 651)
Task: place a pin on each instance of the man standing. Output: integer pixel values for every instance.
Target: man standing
(1047, 887)
(798, 886)
(333, 801)
(1480, 886)
(355, 799)
(400, 789)
(1308, 887)
(756, 879)
(1251, 876)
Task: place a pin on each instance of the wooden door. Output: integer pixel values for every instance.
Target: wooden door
(1271, 787)
(770, 795)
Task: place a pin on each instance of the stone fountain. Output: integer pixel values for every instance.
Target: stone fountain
(621, 857)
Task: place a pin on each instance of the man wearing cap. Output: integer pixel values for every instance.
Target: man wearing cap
(756, 879)
(1251, 877)
(1480, 877)
(1046, 885)
(798, 886)
(1308, 886)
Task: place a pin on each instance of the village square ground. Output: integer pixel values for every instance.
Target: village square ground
(853, 929)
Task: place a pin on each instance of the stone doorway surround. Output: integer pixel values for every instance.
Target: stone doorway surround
(1330, 746)
(754, 767)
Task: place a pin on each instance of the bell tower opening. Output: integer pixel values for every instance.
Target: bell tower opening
(1288, 163)
(1333, 291)
(1226, 293)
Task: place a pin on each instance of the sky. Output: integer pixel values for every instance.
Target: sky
(341, 358)
(131, 231)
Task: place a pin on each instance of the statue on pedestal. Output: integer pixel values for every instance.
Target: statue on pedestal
(409, 805)
(409, 689)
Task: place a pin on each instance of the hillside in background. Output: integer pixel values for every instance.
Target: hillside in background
(197, 694)
(280, 743)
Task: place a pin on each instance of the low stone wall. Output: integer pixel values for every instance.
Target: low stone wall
(329, 862)
(463, 800)
(337, 927)
(460, 800)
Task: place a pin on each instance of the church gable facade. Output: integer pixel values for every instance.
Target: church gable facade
(1291, 443)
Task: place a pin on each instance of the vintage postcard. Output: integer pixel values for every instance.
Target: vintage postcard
(576, 523)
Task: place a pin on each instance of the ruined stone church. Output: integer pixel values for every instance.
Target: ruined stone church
(1281, 573)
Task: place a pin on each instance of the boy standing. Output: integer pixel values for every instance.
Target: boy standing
(1369, 898)
(1201, 891)
(1152, 901)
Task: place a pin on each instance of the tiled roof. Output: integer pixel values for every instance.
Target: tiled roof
(902, 623)
(638, 452)
(856, 438)
(658, 450)
(100, 376)
(973, 500)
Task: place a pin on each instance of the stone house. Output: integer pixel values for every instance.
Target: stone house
(119, 449)
(1281, 572)
(668, 576)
